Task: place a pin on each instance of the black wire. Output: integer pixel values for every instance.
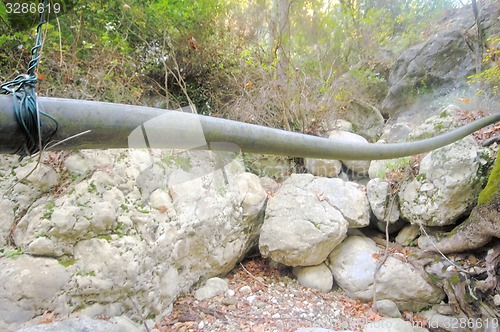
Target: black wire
(26, 110)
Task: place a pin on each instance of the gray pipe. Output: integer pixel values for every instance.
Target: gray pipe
(113, 125)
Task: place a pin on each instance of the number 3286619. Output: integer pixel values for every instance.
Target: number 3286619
(32, 8)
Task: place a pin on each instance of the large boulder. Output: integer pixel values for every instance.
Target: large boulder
(446, 186)
(353, 264)
(481, 226)
(442, 186)
(19, 188)
(128, 231)
(28, 285)
(441, 63)
(309, 216)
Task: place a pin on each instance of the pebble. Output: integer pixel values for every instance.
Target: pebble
(388, 308)
(246, 289)
(229, 301)
(251, 298)
(496, 300)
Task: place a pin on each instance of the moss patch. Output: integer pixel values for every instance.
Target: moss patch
(486, 196)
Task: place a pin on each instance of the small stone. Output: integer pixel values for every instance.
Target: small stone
(408, 234)
(246, 289)
(229, 301)
(160, 200)
(388, 308)
(276, 315)
(201, 325)
(251, 298)
(496, 300)
(212, 287)
(341, 124)
(451, 268)
(317, 277)
(323, 167)
(78, 165)
(41, 246)
(230, 292)
(445, 309)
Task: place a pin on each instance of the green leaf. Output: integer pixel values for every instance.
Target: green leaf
(3, 13)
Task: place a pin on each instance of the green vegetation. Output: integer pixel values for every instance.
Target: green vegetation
(393, 165)
(82, 273)
(10, 252)
(316, 225)
(490, 76)
(67, 262)
(280, 63)
(178, 161)
(493, 185)
(49, 209)
(143, 208)
(92, 187)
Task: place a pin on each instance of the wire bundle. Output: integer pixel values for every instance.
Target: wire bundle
(26, 109)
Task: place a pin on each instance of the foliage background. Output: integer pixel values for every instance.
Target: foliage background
(281, 63)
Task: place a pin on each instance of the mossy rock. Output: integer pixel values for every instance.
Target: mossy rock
(491, 189)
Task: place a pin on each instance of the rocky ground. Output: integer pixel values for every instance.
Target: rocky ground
(266, 298)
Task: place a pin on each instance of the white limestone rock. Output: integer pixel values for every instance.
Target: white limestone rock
(309, 216)
(317, 277)
(161, 200)
(323, 167)
(212, 287)
(111, 242)
(347, 197)
(353, 264)
(42, 246)
(387, 308)
(29, 283)
(334, 123)
(7, 220)
(269, 185)
(381, 200)
(41, 176)
(441, 322)
(446, 186)
(301, 227)
(78, 164)
(252, 193)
